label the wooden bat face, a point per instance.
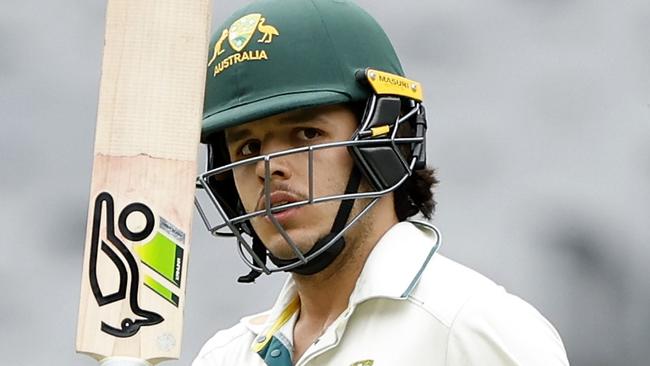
(142, 190)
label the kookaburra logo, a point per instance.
(118, 253)
(163, 254)
(239, 35)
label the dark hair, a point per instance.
(415, 195)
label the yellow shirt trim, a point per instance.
(284, 317)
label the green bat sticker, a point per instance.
(165, 257)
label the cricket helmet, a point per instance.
(274, 56)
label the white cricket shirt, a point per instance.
(409, 307)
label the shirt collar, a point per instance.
(395, 265)
(392, 270)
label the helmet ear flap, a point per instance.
(419, 149)
(379, 163)
(385, 163)
(387, 111)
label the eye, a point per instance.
(308, 133)
(249, 148)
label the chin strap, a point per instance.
(260, 250)
(325, 258)
(329, 255)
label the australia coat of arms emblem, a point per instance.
(242, 30)
(239, 35)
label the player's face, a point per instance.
(289, 174)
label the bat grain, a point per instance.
(143, 179)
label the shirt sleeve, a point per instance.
(199, 361)
(497, 328)
(226, 347)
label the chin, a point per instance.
(281, 249)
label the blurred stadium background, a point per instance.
(539, 128)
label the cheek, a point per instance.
(332, 170)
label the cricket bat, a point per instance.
(143, 181)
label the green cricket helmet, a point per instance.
(273, 56)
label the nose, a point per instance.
(279, 167)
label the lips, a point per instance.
(278, 198)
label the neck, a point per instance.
(325, 295)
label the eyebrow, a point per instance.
(297, 117)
